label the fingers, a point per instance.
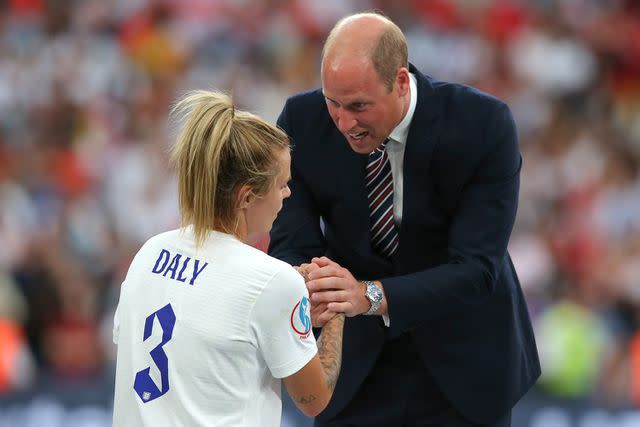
(332, 270)
(316, 311)
(327, 268)
(342, 307)
(318, 308)
(308, 266)
(323, 261)
(325, 283)
(337, 301)
(319, 315)
(325, 317)
(329, 296)
(305, 268)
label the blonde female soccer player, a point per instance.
(207, 326)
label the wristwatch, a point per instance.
(374, 295)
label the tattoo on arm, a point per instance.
(330, 349)
(304, 400)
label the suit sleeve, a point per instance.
(478, 236)
(296, 236)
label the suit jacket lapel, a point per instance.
(422, 137)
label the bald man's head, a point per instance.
(369, 38)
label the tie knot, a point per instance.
(380, 149)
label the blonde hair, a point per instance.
(218, 150)
(387, 54)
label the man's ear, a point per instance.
(403, 79)
(244, 197)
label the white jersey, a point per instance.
(205, 336)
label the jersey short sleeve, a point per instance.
(281, 324)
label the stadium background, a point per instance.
(85, 88)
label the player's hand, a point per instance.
(335, 286)
(304, 270)
(319, 312)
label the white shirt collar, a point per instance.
(400, 133)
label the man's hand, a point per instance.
(336, 287)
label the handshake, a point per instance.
(333, 289)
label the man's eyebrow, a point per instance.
(350, 104)
(357, 103)
(329, 98)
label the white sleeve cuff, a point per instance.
(386, 320)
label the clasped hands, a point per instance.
(332, 290)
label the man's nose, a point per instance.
(345, 121)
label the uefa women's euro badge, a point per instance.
(301, 318)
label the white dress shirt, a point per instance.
(395, 151)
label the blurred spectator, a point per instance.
(572, 340)
(17, 367)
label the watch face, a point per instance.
(374, 293)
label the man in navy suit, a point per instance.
(438, 332)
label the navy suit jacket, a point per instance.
(451, 284)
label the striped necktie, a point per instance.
(379, 184)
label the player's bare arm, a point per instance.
(330, 349)
(311, 387)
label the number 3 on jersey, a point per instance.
(144, 385)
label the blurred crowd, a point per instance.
(86, 86)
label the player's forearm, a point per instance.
(330, 349)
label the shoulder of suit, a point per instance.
(307, 97)
(464, 94)
(307, 111)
